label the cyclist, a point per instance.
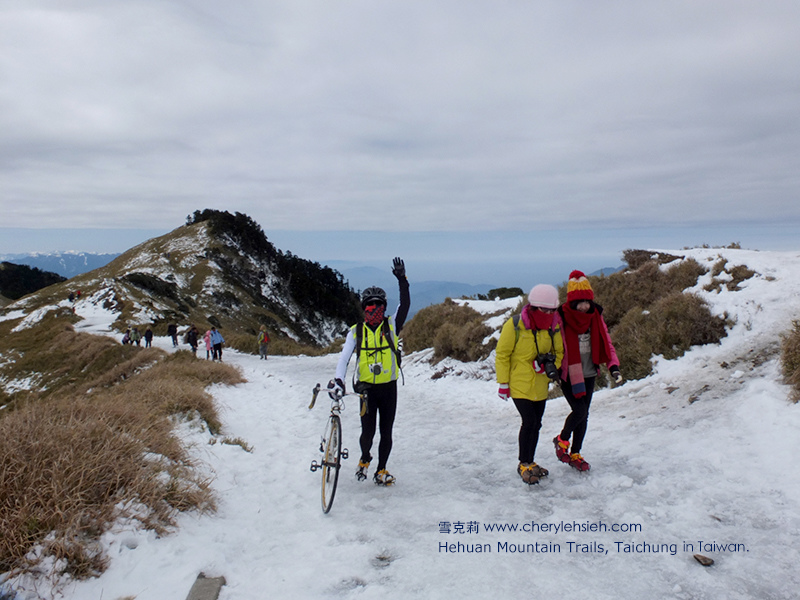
(374, 342)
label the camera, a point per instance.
(375, 369)
(548, 363)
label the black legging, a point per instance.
(531, 413)
(576, 421)
(381, 398)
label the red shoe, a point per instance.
(562, 449)
(576, 462)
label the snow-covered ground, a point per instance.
(697, 458)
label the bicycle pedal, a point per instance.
(315, 466)
(345, 453)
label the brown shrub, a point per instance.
(636, 258)
(790, 359)
(642, 287)
(449, 328)
(738, 274)
(669, 328)
(462, 341)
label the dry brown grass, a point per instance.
(642, 287)
(100, 437)
(670, 327)
(790, 359)
(449, 328)
(736, 275)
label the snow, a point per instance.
(702, 451)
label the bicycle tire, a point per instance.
(331, 462)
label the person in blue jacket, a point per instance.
(217, 342)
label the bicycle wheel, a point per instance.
(331, 462)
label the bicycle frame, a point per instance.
(331, 447)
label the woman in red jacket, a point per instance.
(587, 345)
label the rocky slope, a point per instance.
(218, 269)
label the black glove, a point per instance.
(398, 268)
(615, 374)
(336, 388)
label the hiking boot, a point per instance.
(383, 477)
(361, 472)
(539, 471)
(562, 448)
(526, 472)
(576, 462)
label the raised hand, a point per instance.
(398, 268)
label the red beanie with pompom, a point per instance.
(578, 287)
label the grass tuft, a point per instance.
(790, 359)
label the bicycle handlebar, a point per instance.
(336, 394)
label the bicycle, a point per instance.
(331, 444)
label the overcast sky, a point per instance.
(415, 116)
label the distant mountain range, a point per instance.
(423, 293)
(66, 264)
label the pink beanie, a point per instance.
(543, 296)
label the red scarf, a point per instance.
(536, 319)
(373, 315)
(575, 323)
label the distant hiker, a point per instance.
(71, 297)
(191, 338)
(528, 355)
(78, 294)
(263, 342)
(587, 345)
(207, 340)
(148, 337)
(172, 331)
(126, 339)
(374, 342)
(135, 336)
(216, 343)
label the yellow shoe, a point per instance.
(361, 472)
(383, 477)
(525, 471)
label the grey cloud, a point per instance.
(467, 115)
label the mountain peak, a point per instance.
(218, 269)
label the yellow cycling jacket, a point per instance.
(515, 355)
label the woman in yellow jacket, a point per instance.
(528, 357)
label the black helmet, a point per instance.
(373, 294)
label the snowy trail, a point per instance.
(703, 450)
(455, 459)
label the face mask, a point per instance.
(373, 314)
